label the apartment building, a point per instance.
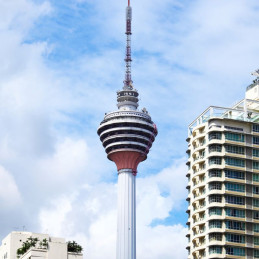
(46, 247)
(223, 180)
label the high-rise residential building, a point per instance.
(40, 246)
(223, 180)
(127, 135)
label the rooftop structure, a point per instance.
(127, 135)
(223, 180)
(46, 247)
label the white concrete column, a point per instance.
(126, 225)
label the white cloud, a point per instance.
(89, 215)
(10, 196)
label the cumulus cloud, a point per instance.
(184, 59)
(94, 209)
(9, 193)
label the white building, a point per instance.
(223, 180)
(56, 248)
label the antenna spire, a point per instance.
(128, 60)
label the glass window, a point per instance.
(215, 186)
(215, 148)
(256, 241)
(235, 161)
(256, 127)
(235, 238)
(256, 177)
(255, 165)
(237, 225)
(215, 160)
(215, 224)
(256, 214)
(235, 137)
(256, 227)
(215, 237)
(256, 140)
(234, 174)
(256, 189)
(235, 251)
(255, 202)
(236, 187)
(215, 250)
(215, 198)
(235, 200)
(215, 211)
(215, 173)
(256, 152)
(256, 253)
(235, 213)
(235, 149)
(214, 135)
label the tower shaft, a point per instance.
(126, 223)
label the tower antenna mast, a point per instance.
(128, 60)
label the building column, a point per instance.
(126, 225)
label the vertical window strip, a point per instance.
(235, 149)
(234, 174)
(235, 187)
(235, 137)
(235, 213)
(235, 162)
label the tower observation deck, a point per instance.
(127, 135)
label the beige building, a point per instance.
(46, 248)
(223, 180)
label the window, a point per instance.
(233, 128)
(256, 214)
(256, 227)
(256, 140)
(255, 202)
(214, 135)
(215, 250)
(235, 187)
(235, 238)
(235, 213)
(235, 200)
(215, 186)
(215, 237)
(234, 174)
(235, 161)
(256, 152)
(215, 211)
(255, 165)
(215, 173)
(230, 224)
(256, 253)
(215, 160)
(235, 149)
(256, 177)
(215, 148)
(256, 189)
(215, 198)
(256, 127)
(235, 251)
(215, 224)
(235, 137)
(256, 241)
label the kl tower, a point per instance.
(127, 135)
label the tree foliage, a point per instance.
(74, 247)
(30, 243)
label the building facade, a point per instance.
(47, 247)
(223, 180)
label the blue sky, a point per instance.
(62, 63)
